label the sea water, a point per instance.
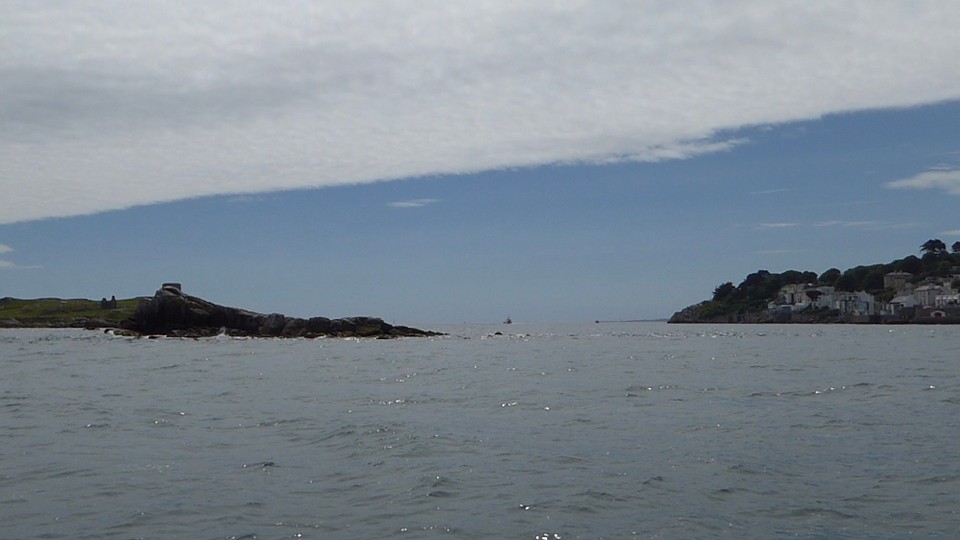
(640, 430)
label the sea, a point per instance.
(541, 432)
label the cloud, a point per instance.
(776, 225)
(415, 203)
(9, 265)
(107, 105)
(838, 223)
(770, 191)
(954, 233)
(939, 178)
(777, 251)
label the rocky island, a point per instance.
(171, 312)
(912, 290)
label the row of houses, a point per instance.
(931, 295)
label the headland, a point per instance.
(171, 312)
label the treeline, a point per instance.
(760, 288)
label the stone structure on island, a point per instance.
(171, 312)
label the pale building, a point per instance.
(856, 303)
(927, 295)
(896, 280)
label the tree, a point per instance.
(723, 291)
(754, 279)
(829, 277)
(956, 247)
(847, 282)
(934, 245)
(910, 263)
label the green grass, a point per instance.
(53, 310)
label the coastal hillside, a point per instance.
(65, 313)
(914, 289)
(171, 312)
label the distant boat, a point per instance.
(508, 321)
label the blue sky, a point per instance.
(463, 164)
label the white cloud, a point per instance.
(954, 233)
(776, 251)
(940, 178)
(106, 105)
(838, 223)
(770, 191)
(415, 203)
(10, 265)
(775, 225)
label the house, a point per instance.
(856, 303)
(822, 297)
(804, 295)
(949, 299)
(900, 303)
(794, 293)
(896, 280)
(926, 295)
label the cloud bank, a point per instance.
(945, 179)
(106, 104)
(413, 203)
(10, 265)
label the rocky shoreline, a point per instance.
(694, 315)
(170, 312)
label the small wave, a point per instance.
(651, 388)
(938, 479)
(282, 421)
(744, 469)
(817, 512)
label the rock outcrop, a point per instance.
(172, 313)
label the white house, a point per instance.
(944, 300)
(927, 294)
(900, 303)
(855, 303)
(803, 295)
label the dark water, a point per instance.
(594, 431)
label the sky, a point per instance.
(454, 162)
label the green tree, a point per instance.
(956, 247)
(754, 279)
(848, 281)
(934, 245)
(910, 263)
(830, 277)
(930, 261)
(722, 291)
(873, 280)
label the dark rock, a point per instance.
(319, 326)
(171, 312)
(10, 323)
(273, 325)
(294, 327)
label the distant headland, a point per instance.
(911, 290)
(171, 312)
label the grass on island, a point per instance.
(54, 310)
